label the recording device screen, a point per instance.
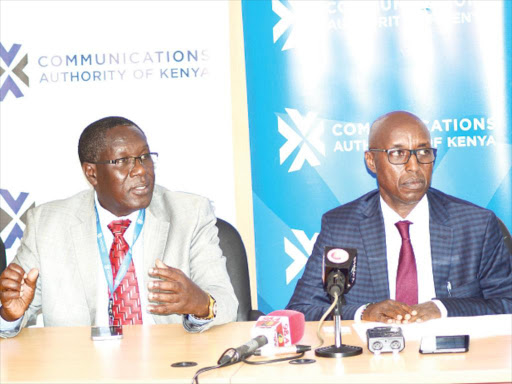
(444, 344)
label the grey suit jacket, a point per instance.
(60, 241)
(467, 248)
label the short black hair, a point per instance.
(92, 140)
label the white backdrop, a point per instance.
(186, 119)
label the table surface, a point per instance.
(145, 354)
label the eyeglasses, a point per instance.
(398, 156)
(147, 160)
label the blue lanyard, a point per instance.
(105, 259)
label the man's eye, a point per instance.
(397, 153)
(145, 156)
(122, 160)
(424, 152)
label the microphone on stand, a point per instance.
(339, 275)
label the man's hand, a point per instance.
(174, 293)
(389, 311)
(425, 311)
(17, 290)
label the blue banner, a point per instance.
(318, 74)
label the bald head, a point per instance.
(385, 124)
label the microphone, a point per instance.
(339, 270)
(243, 351)
(339, 275)
(281, 328)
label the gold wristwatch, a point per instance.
(212, 309)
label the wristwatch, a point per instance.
(212, 309)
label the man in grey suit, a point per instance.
(170, 262)
(453, 261)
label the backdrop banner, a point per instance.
(163, 64)
(318, 74)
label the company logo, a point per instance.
(337, 255)
(285, 22)
(307, 134)
(13, 216)
(299, 257)
(8, 83)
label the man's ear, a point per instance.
(90, 173)
(370, 161)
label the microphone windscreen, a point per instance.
(297, 323)
(282, 328)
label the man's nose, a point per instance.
(138, 167)
(413, 163)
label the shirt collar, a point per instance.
(418, 213)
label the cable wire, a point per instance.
(261, 362)
(321, 322)
(195, 379)
(234, 360)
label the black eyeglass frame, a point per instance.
(127, 158)
(411, 151)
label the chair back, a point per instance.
(236, 262)
(3, 256)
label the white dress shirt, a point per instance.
(419, 233)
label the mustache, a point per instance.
(414, 180)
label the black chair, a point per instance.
(3, 256)
(236, 262)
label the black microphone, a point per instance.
(339, 275)
(339, 270)
(243, 351)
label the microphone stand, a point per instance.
(338, 349)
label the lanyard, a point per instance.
(105, 259)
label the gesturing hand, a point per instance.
(173, 292)
(389, 311)
(17, 290)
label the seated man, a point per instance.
(454, 263)
(127, 252)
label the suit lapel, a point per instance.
(156, 232)
(441, 236)
(374, 240)
(86, 251)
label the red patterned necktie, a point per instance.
(126, 307)
(406, 277)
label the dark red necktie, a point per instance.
(406, 277)
(126, 307)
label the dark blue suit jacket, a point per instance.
(467, 250)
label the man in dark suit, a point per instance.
(453, 261)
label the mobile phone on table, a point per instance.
(444, 344)
(112, 332)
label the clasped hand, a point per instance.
(395, 312)
(174, 293)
